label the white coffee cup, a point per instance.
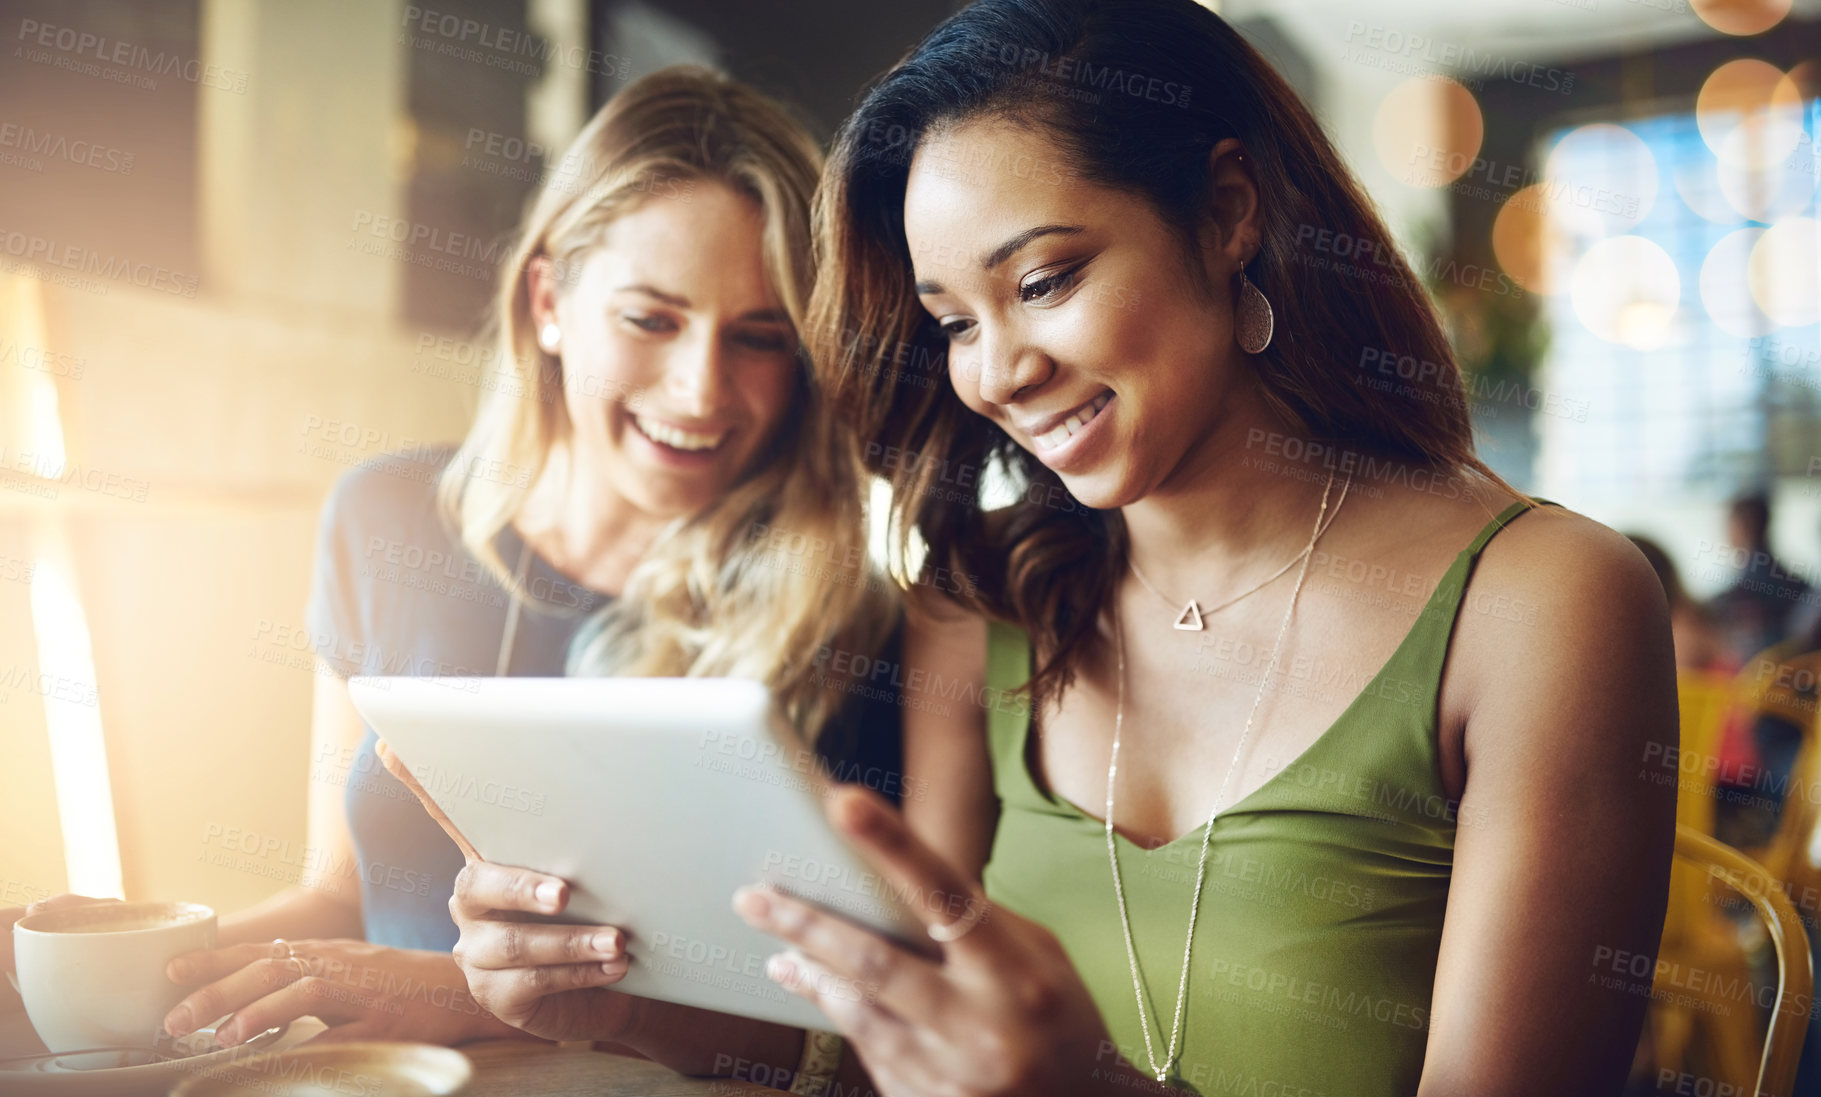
(94, 975)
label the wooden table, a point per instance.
(510, 1068)
(502, 1068)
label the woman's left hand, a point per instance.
(1002, 1010)
(362, 991)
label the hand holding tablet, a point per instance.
(547, 983)
(636, 807)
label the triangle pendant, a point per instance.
(1190, 618)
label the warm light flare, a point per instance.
(1785, 272)
(1626, 291)
(1750, 113)
(72, 714)
(1741, 17)
(1428, 131)
(1529, 245)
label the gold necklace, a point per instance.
(1201, 865)
(1189, 619)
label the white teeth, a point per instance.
(674, 438)
(1067, 428)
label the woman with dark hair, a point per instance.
(1292, 808)
(1381, 838)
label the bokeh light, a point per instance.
(1741, 17)
(1428, 131)
(1724, 292)
(1771, 193)
(1698, 184)
(1600, 180)
(1531, 246)
(1750, 113)
(1785, 271)
(1626, 290)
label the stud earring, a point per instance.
(1254, 322)
(550, 337)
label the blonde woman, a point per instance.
(647, 452)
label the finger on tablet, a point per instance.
(396, 767)
(858, 963)
(481, 887)
(512, 995)
(862, 1020)
(505, 945)
(947, 904)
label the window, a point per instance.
(1679, 270)
(1687, 297)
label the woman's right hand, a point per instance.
(548, 980)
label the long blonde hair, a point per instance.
(765, 581)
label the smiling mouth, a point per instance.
(1070, 426)
(688, 441)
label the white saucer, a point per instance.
(27, 1068)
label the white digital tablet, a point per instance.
(655, 798)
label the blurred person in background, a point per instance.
(1704, 661)
(1699, 643)
(649, 418)
(1763, 604)
(1781, 693)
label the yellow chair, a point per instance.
(1695, 934)
(1794, 853)
(1711, 949)
(1704, 699)
(1782, 682)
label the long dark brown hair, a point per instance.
(1136, 94)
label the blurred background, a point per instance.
(246, 245)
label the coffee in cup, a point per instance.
(94, 975)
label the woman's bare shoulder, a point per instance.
(1561, 605)
(1538, 547)
(1557, 555)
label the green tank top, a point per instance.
(1321, 911)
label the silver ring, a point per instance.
(290, 956)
